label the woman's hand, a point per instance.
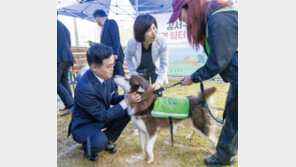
(156, 85)
(186, 81)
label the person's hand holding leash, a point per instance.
(156, 85)
(186, 81)
(132, 98)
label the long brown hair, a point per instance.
(197, 19)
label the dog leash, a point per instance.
(203, 98)
(157, 91)
(205, 103)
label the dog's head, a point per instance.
(133, 83)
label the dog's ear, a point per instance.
(141, 89)
(134, 83)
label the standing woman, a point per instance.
(149, 52)
(214, 24)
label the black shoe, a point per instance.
(111, 148)
(92, 157)
(214, 161)
(69, 111)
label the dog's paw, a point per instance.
(142, 156)
(150, 157)
(150, 160)
(136, 158)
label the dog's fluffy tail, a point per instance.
(208, 94)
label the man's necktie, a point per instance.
(104, 87)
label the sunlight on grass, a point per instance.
(186, 152)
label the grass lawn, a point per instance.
(186, 152)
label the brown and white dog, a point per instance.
(148, 126)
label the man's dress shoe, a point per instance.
(111, 148)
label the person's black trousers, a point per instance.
(98, 142)
(228, 142)
(63, 87)
(118, 70)
(150, 76)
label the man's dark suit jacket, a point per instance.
(92, 106)
(63, 44)
(110, 37)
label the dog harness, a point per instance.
(176, 107)
(171, 108)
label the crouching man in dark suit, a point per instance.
(94, 93)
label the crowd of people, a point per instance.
(97, 125)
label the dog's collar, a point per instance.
(140, 116)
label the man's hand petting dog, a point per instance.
(155, 85)
(186, 81)
(132, 98)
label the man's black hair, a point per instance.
(141, 25)
(97, 53)
(100, 13)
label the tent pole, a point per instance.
(137, 8)
(76, 32)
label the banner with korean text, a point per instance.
(183, 59)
